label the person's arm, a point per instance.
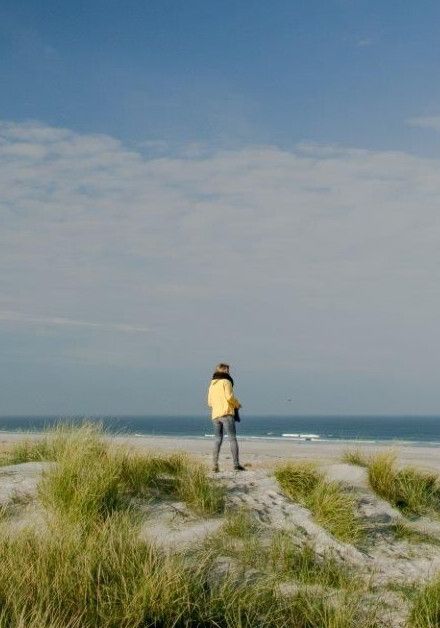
(209, 397)
(229, 394)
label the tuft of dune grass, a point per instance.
(404, 531)
(412, 491)
(301, 563)
(240, 524)
(26, 451)
(5, 450)
(198, 491)
(92, 479)
(425, 611)
(59, 438)
(335, 510)
(298, 479)
(382, 475)
(83, 486)
(355, 456)
(331, 506)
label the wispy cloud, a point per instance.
(364, 42)
(425, 122)
(18, 317)
(319, 254)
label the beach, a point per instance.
(267, 453)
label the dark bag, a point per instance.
(237, 415)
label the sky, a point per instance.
(183, 183)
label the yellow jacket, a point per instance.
(221, 398)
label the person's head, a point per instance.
(222, 368)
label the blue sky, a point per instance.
(344, 71)
(188, 182)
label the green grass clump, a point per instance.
(425, 612)
(382, 474)
(85, 482)
(335, 510)
(93, 479)
(27, 451)
(83, 486)
(146, 475)
(412, 491)
(298, 479)
(334, 611)
(199, 492)
(301, 563)
(356, 457)
(61, 437)
(403, 531)
(331, 506)
(240, 524)
(175, 476)
(70, 578)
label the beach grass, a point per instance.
(356, 457)
(412, 491)
(324, 591)
(403, 531)
(279, 554)
(198, 491)
(88, 566)
(53, 442)
(5, 449)
(93, 477)
(25, 451)
(425, 612)
(108, 578)
(331, 506)
(290, 560)
(240, 523)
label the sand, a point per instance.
(267, 453)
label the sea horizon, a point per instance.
(406, 429)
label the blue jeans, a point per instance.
(220, 424)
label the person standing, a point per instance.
(224, 406)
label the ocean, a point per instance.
(422, 430)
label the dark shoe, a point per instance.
(239, 468)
